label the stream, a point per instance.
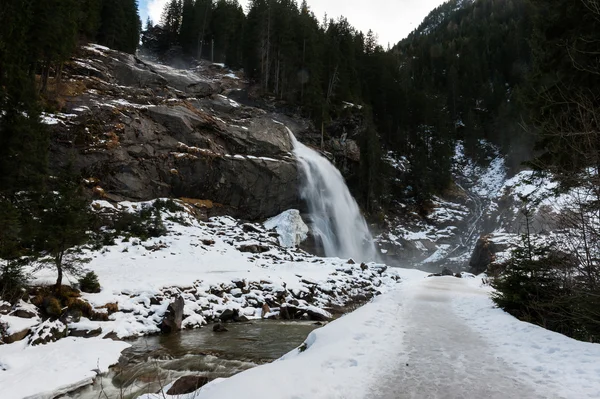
(155, 361)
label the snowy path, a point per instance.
(443, 357)
(430, 338)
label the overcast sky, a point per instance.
(392, 20)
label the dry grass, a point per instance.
(198, 203)
(56, 95)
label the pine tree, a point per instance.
(202, 17)
(64, 218)
(187, 34)
(120, 25)
(171, 20)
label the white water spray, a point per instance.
(335, 217)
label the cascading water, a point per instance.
(335, 217)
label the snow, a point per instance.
(486, 182)
(54, 119)
(338, 360)
(429, 337)
(291, 228)
(18, 324)
(45, 371)
(200, 261)
(566, 367)
(196, 259)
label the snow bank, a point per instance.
(340, 360)
(45, 371)
(562, 365)
(429, 337)
(18, 324)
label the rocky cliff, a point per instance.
(140, 130)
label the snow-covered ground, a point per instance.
(220, 267)
(46, 371)
(428, 338)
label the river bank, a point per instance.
(222, 270)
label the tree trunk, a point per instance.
(59, 278)
(59, 267)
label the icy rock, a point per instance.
(291, 228)
(174, 316)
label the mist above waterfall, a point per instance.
(335, 217)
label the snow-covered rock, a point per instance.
(291, 228)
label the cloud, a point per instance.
(154, 9)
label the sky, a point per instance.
(391, 20)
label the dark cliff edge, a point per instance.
(139, 130)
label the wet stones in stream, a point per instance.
(188, 384)
(174, 316)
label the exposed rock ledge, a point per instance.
(140, 130)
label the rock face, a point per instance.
(173, 316)
(483, 255)
(140, 130)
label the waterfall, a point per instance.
(335, 217)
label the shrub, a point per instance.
(13, 282)
(538, 285)
(84, 307)
(51, 307)
(89, 283)
(168, 205)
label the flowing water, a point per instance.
(154, 361)
(335, 217)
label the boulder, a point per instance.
(127, 72)
(483, 255)
(5, 307)
(318, 314)
(71, 316)
(178, 120)
(14, 337)
(48, 331)
(85, 333)
(24, 313)
(262, 138)
(288, 312)
(265, 310)
(173, 316)
(253, 248)
(290, 228)
(219, 328)
(187, 384)
(228, 315)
